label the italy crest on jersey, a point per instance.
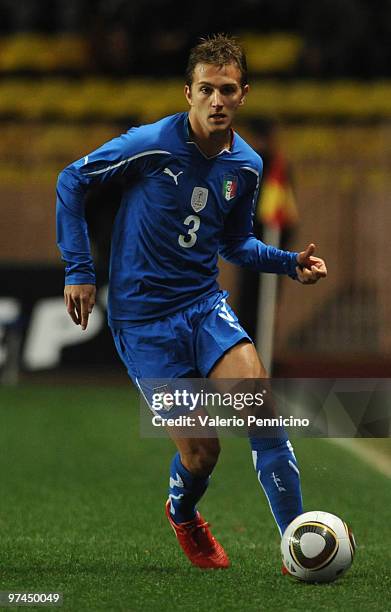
(230, 187)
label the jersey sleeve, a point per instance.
(125, 156)
(239, 245)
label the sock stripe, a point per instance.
(185, 490)
(268, 501)
(279, 477)
(294, 467)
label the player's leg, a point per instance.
(274, 460)
(193, 463)
(190, 471)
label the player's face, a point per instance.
(214, 97)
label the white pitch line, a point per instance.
(376, 459)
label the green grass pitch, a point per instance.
(82, 512)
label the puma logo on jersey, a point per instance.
(173, 176)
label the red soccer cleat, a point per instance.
(197, 542)
(284, 570)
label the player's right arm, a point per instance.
(124, 156)
(74, 245)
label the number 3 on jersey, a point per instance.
(190, 238)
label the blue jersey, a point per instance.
(179, 210)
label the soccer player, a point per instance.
(190, 184)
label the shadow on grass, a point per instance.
(100, 567)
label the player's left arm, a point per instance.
(310, 269)
(239, 245)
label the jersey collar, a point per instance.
(190, 141)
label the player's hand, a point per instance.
(79, 301)
(310, 268)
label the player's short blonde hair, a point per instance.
(217, 50)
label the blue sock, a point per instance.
(184, 492)
(278, 474)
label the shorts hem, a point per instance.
(243, 338)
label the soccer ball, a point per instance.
(317, 547)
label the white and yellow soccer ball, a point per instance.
(317, 547)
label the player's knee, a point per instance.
(203, 457)
(256, 369)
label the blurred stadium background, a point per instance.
(75, 73)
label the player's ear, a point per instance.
(245, 90)
(187, 92)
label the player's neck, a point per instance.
(210, 144)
